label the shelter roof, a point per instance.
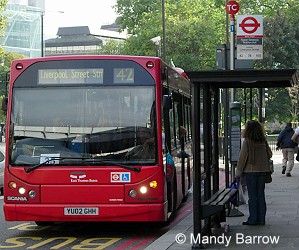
(246, 78)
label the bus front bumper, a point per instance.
(88, 212)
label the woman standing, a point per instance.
(253, 165)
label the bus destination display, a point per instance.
(81, 76)
(123, 75)
(67, 76)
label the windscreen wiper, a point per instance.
(28, 170)
(93, 160)
(137, 170)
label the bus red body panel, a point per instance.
(116, 213)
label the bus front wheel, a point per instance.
(43, 223)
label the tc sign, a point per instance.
(232, 7)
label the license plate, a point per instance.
(81, 211)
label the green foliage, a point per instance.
(281, 51)
(132, 12)
(2, 22)
(112, 48)
(7, 58)
(195, 28)
(189, 43)
(278, 107)
(281, 45)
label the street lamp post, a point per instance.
(42, 29)
(41, 13)
(42, 33)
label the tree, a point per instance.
(2, 63)
(195, 28)
(131, 13)
(281, 51)
(7, 58)
(2, 22)
(281, 36)
(112, 48)
(189, 43)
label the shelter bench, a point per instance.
(217, 202)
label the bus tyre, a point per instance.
(164, 223)
(175, 195)
(185, 198)
(172, 194)
(43, 223)
(189, 181)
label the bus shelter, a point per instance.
(209, 90)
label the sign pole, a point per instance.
(232, 50)
(232, 42)
(232, 8)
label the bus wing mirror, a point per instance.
(4, 104)
(167, 102)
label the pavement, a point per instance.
(280, 231)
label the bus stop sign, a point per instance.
(232, 7)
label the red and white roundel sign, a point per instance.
(250, 25)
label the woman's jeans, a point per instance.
(255, 182)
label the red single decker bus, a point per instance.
(96, 138)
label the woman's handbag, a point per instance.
(271, 166)
(234, 200)
(269, 174)
(242, 199)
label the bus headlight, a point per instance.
(22, 190)
(143, 190)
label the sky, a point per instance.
(91, 13)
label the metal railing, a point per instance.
(272, 140)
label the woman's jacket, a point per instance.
(254, 157)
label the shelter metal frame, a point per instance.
(210, 83)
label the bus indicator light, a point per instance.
(12, 185)
(153, 184)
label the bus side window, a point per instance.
(174, 124)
